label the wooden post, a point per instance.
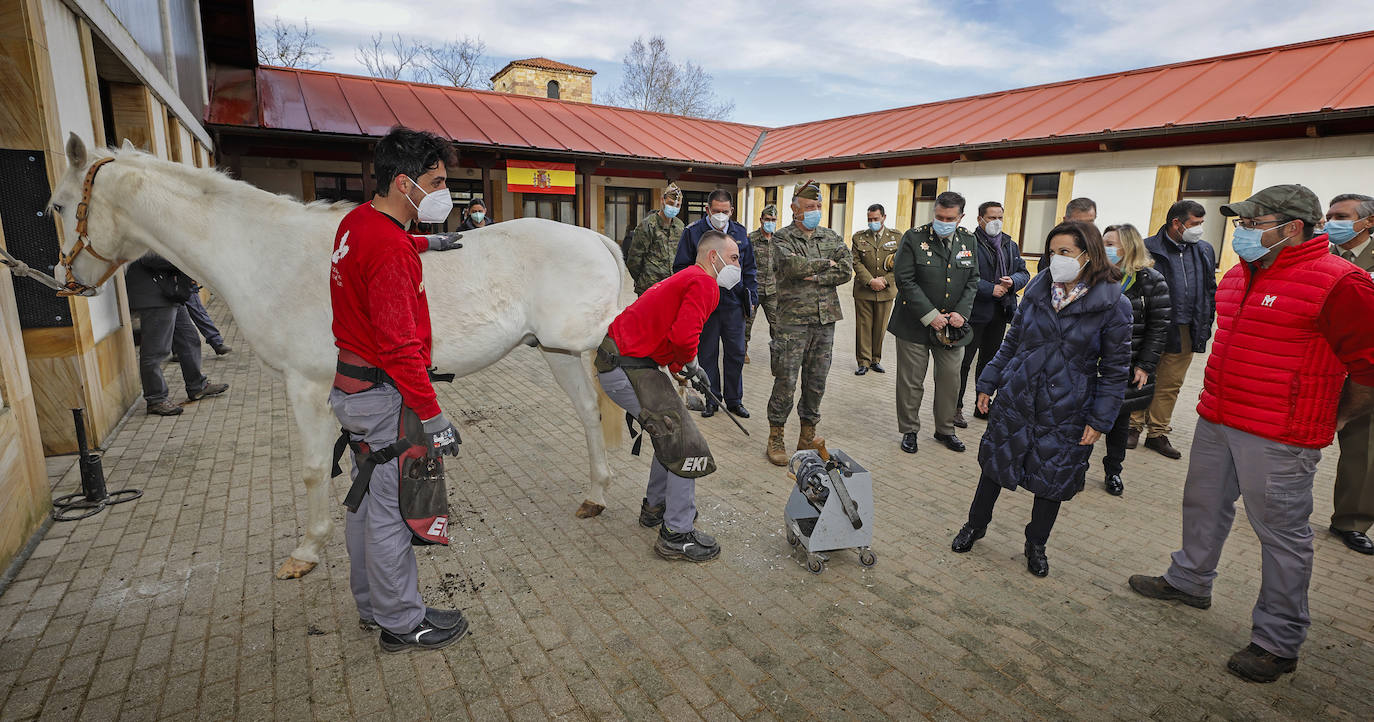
(1065, 192)
(906, 193)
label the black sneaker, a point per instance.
(694, 546)
(222, 349)
(650, 516)
(441, 618)
(427, 635)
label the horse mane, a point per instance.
(217, 182)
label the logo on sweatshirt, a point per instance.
(1268, 301)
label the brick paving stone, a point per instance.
(166, 608)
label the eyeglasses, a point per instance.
(1253, 224)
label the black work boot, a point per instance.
(426, 635)
(1113, 484)
(441, 618)
(1257, 664)
(1158, 588)
(694, 545)
(650, 516)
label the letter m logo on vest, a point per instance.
(1268, 301)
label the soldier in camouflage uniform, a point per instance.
(874, 288)
(762, 238)
(808, 262)
(649, 257)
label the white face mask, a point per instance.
(719, 221)
(1192, 235)
(994, 228)
(728, 277)
(434, 207)
(1064, 268)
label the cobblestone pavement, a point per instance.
(166, 608)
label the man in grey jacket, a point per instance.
(158, 292)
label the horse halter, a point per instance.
(73, 287)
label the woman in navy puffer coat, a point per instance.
(1059, 379)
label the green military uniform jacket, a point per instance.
(934, 277)
(763, 261)
(649, 257)
(871, 251)
(795, 258)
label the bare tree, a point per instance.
(289, 46)
(652, 81)
(396, 59)
(461, 63)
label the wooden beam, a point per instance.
(1242, 186)
(1167, 179)
(92, 83)
(1065, 193)
(1013, 205)
(129, 108)
(1109, 146)
(969, 156)
(906, 192)
(848, 211)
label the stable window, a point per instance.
(552, 207)
(1040, 211)
(625, 207)
(770, 197)
(693, 206)
(839, 201)
(553, 89)
(338, 187)
(1209, 185)
(923, 201)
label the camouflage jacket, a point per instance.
(649, 256)
(871, 252)
(763, 260)
(796, 258)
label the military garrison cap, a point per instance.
(1292, 201)
(808, 189)
(769, 210)
(673, 193)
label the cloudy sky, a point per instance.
(799, 60)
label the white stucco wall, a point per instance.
(976, 189)
(1327, 177)
(1123, 195)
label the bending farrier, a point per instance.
(383, 394)
(663, 328)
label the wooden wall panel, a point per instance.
(1242, 187)
(129, 105)
(1167, 179)
(906, 193)
(849, 213)
(1065, 193)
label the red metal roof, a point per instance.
(1321, 76)
(316, 102)
(1293, 83)
(545, 64)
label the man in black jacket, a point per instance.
(1189, 267)
(158, 292)
(1001, 275)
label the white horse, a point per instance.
(527, 281)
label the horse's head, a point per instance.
(92, 248)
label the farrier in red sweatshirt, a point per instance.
(664, 324)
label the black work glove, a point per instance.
(444, 241)
(442, 436)
(693, 373)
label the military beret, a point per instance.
(769, 210)
(809, 189)
(672, 192)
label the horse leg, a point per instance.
(571, 373)
(317, 428)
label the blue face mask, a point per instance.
(1247, 244)
(1341, 232)
(1113, 254)
(811, 219)
(875, 226)
(944, 229)
(670, 212)
(770, 226)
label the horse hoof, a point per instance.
(589, 509)
(294, 568)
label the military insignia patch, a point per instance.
(965, 253)
(925, 246)
(890, 245)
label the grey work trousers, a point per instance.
(163, 330)
(912, 361)
(676, 493)
(383, 574)
(1276, 482)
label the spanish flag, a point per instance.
(530, 176)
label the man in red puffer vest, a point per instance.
(1292, 325)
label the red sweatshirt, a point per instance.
(377, 291)
(665, 322)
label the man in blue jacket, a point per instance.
(725, 326)
(1189, 266)
(1001, 275)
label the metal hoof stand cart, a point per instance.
(830, 509)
